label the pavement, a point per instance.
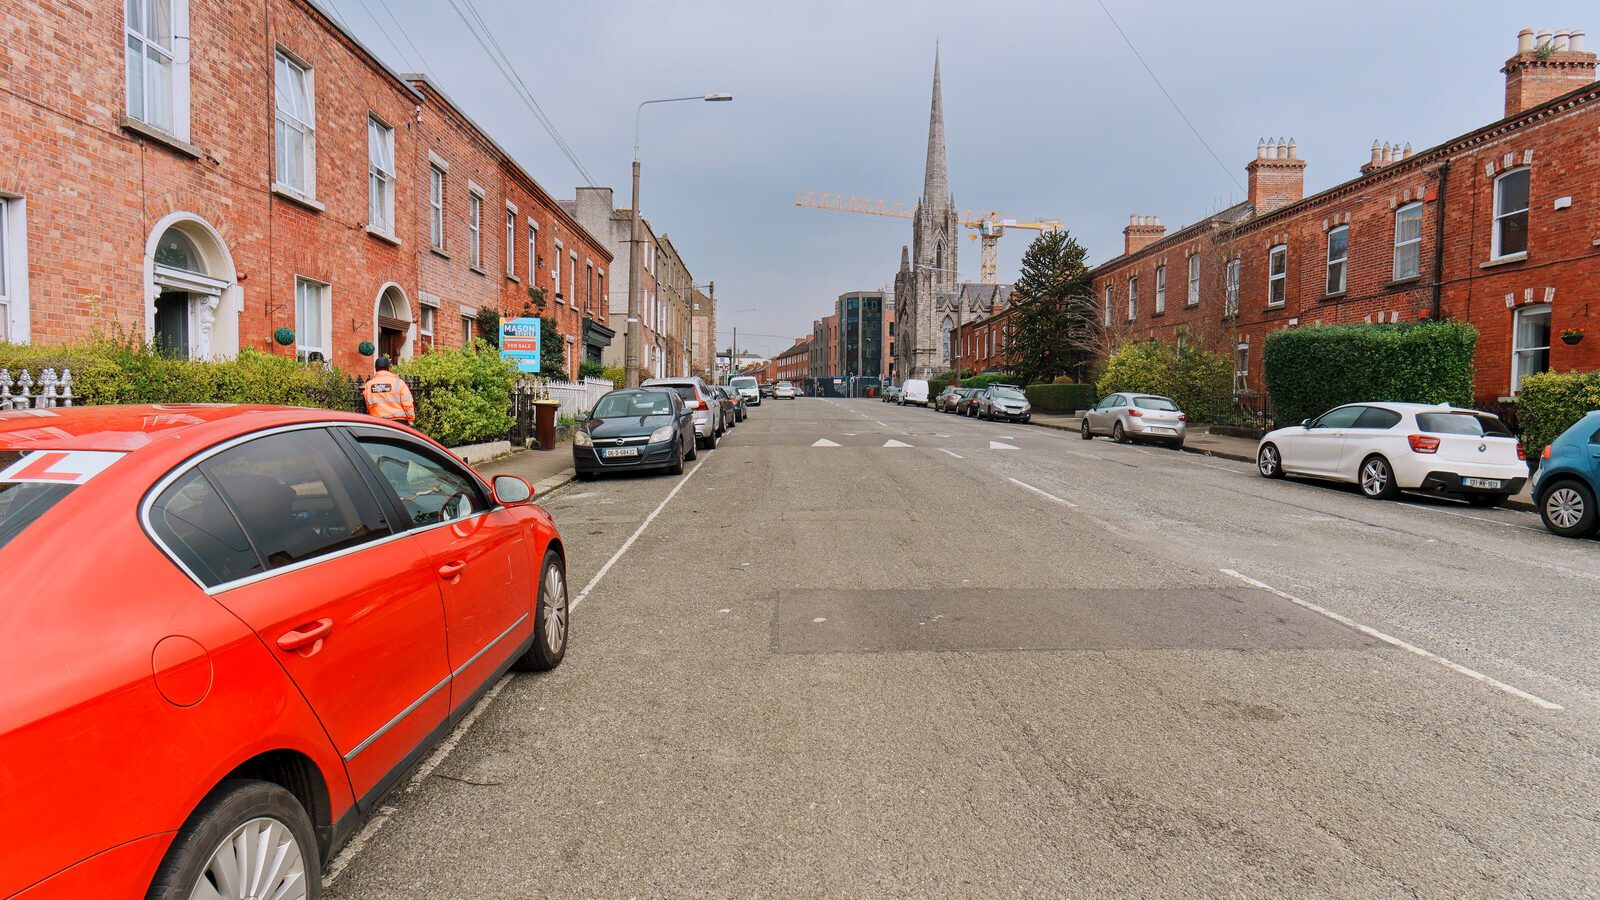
(861, 650)
(546, 470)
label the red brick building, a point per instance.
(984, 343)
(1498, 227)
(793, 364)
(205, 175)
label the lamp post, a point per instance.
(634, 337)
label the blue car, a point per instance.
(1568, 478)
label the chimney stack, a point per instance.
(1546, 66)
(1142, 231)
(1277, 175)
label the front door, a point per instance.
(350, 607)
(172, 324)
(477, 550)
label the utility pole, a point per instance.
(733, 353)
(635, 276)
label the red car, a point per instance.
(228, 631)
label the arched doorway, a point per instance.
(192, 302)
(392, 324)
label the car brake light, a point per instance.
(1545, 454)
(698, 404)
(1521, 452)
(1183, 417)
(1136, 414)
(1421, 443)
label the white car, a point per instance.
(915, 390)
(748, 388)
(709, 421)
(784, 391)
(1387, 448)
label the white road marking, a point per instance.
(880, 423)
(1462, 515)
(1024, 484)
(997, 445)
(1396, 642)
(583, 594)
(824, 442)
(952, 453)
(894, 443)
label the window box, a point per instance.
(164, 138)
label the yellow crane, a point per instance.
(989, 226)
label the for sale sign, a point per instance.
(519, 343)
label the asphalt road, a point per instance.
(1001, 660)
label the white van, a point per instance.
(915, 390)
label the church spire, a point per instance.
(936, 181)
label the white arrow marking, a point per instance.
(824, 442)
(996, 445)
(894, 443)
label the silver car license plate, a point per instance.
(1481, 482)
(612, 452)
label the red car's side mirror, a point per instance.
(510, 490)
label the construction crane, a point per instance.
(989, 227)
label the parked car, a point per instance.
(784, 391)
(913, 391)
(967, 405)
(747, 386)
(1386, 448)
(709, 421)
(732, 404)
(768, 389)
(1568, 479)
(271, 634)
(1003, 402)
(891, 394)
(946, 401)
(633, 429)
(1128, 416)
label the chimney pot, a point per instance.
(1544, 38)
(1408, 151)
(1525, 40)
(1561, 40)
(1533, 78)
(1261, 148)
(1576, 44)
(1293, 153)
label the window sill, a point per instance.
(1401, 282)
(382, 235)
(1336, 295)
(1191, 303)
(1277, 306)
(479, 270)
(160, 136)
(436, 251)
(1158, 314)
(511, 277)
(1504, 260)
(295, 197)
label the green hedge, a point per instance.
(938, 383)
(106, 372)
(1548, 404)
(1310, 370)
(464, 394)
(1062, 398)
(1200, 382)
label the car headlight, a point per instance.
(582, 439)
(662, 434)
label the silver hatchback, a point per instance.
(1128, 416)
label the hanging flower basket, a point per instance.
(365, 348)
(1571, 337)
(284, 336)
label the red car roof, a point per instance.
(129, 428)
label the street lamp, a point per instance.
(634, 337)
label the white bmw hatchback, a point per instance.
(1386, 448)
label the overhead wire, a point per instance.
(385, 32)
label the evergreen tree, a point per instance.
(1053, 319)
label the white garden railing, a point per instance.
(574, 396)
(48, 391)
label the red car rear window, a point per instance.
(22, 502)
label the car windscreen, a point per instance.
(1008, 393)
(23, 502)
(1160, 403)
(643, 403)
(1462, 423)
(743, 382)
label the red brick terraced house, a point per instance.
(1498, 227)
(984, 343)
(793, 364)
(207, 175)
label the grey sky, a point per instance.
(1047, 113)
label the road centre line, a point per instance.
(952, 453)
(583, 594)
(1396, 642)
(1047, 494)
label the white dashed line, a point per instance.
(1047, 494)
(1396, 642)
(583, 594)
(952, 453)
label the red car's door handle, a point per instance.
(451, 569)
(305, 635)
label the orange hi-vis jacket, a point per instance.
(389, 397)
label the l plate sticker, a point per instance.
(59, 466)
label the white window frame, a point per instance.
(555, 273)
(1241, 368)
(572, 278)
(176, 59)
(1194, 280)
(436, 189)
(1133, 297)
(1161, 289)
(1501, 215)
(1111, 298)
(1230, 288)
(1518, 351)
(475, 226)
(1411, 246)
(1278, 281)
(14, 316)
(286, 120)
(533, 252)
(427, 320)
(1343, 263)
(380, 180)
(511, 240)
(324, 316)
(469, 324)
